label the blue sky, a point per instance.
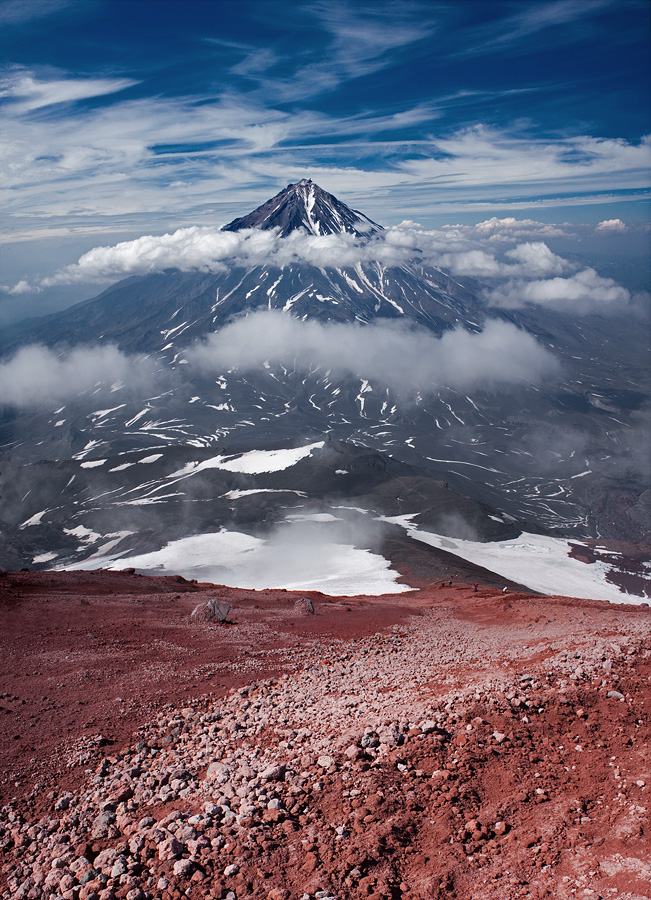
(123, 118)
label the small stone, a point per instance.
(499, 737)
(231, 870)
(169, 849)
(119, 867)
(325, 762)
(101, 824)
(183, 868)
(615, 695)
(215, 770)
(277, 893)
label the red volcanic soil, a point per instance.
(435, 744)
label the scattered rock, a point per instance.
(304, 607)
(212, 611)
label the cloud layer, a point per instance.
(528, 273)
(582, 293)
(207, 250)
(36, 376)
(404, 360)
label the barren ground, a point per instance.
(435, 744)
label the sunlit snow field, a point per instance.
(241, 560)
(314, 550)
(537, 561)
(302, 561)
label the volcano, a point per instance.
(306, 205)
(120, 472)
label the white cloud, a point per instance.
(529, 19)
(28, 93)
(509, 229)
(475, 263)
(529, 273)
(66, 162)
(36, 376)
(384, 353)
(582, 293)
(611, 225)
(359, 39)
(21, 287)
(481, 157)
(19, 12)
(536, 259)
(207, 250)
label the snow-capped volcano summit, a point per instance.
(306, 205)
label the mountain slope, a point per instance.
(559, 455)
(306, 205)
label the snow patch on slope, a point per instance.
(540, 562)
(241, 560)
(254, 462)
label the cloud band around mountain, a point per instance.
(402, 359)
(406, 361)
(528, 273)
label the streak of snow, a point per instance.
(236, 494)
(136, 417)
(83, 533)
(35, 519)
(45, 557)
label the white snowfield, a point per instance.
(537, 561)
(302, 555)
(255, 462)
(241, 560)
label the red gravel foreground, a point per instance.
(441, 743)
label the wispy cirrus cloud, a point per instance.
(21, 12)
(281, 91)
(531, 19)
(353, 40)
(25, 92)
(481, 156)
(147, 155)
